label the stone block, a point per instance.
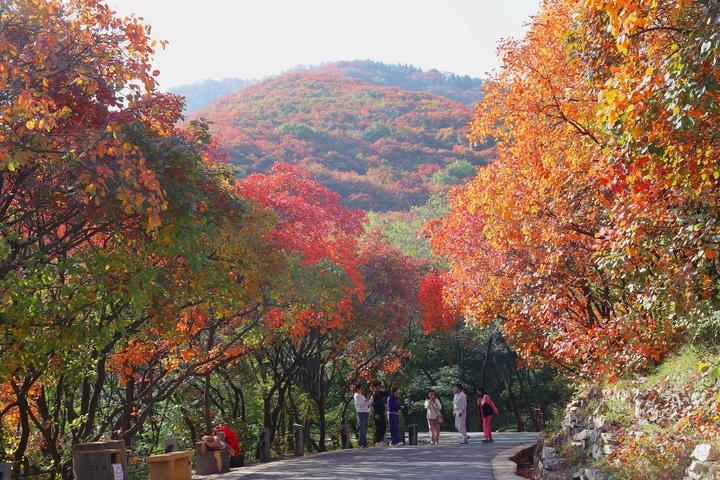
(548, 452)
(599, 422)
(639, 404)
(610, 438)
(554, 476)
(584, 435)
(591, 474)
(553, 464)
(608, 449)
(705, 452)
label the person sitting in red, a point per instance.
(230, 437)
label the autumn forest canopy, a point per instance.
(373, 133)
(345, 223)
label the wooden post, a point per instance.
(345, 436)
(264, 444)
(94, 465)
(171, 466)
(208, 462)
(171, 445)
(299, 440)
(99, 460)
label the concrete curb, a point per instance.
(502, 467)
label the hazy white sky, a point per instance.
(219, 39)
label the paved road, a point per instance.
(449, 460)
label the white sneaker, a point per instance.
(398, 444)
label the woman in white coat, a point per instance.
(434, 417)
(362, 408)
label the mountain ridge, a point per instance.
(461, 88)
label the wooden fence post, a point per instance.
(264, 445)
(100, 460)
(299, 440)
(171, 445)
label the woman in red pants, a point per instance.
(486, 409)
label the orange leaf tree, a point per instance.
(659, 100)
(103, 217)
(75, 102)
(592, 235)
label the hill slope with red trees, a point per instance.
(381, 148)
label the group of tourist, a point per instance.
(385, 408)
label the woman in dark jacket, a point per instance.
(393, 409)
(379, 397)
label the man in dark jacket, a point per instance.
(379, 397)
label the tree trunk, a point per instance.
(486, 360)
(127, 410)
(508, 382)
(206, 400)
(524, 395)
(22, 405)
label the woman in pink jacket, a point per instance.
(486, 409)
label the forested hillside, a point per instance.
(463, 89)
(380, 148)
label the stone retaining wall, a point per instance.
(592, 437)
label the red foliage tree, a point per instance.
(311, 219)
(437, 314)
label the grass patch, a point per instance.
(618, 412)
(676, 368)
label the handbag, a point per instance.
(437, 413)
(487, 410)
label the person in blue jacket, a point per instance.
(393, 410)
